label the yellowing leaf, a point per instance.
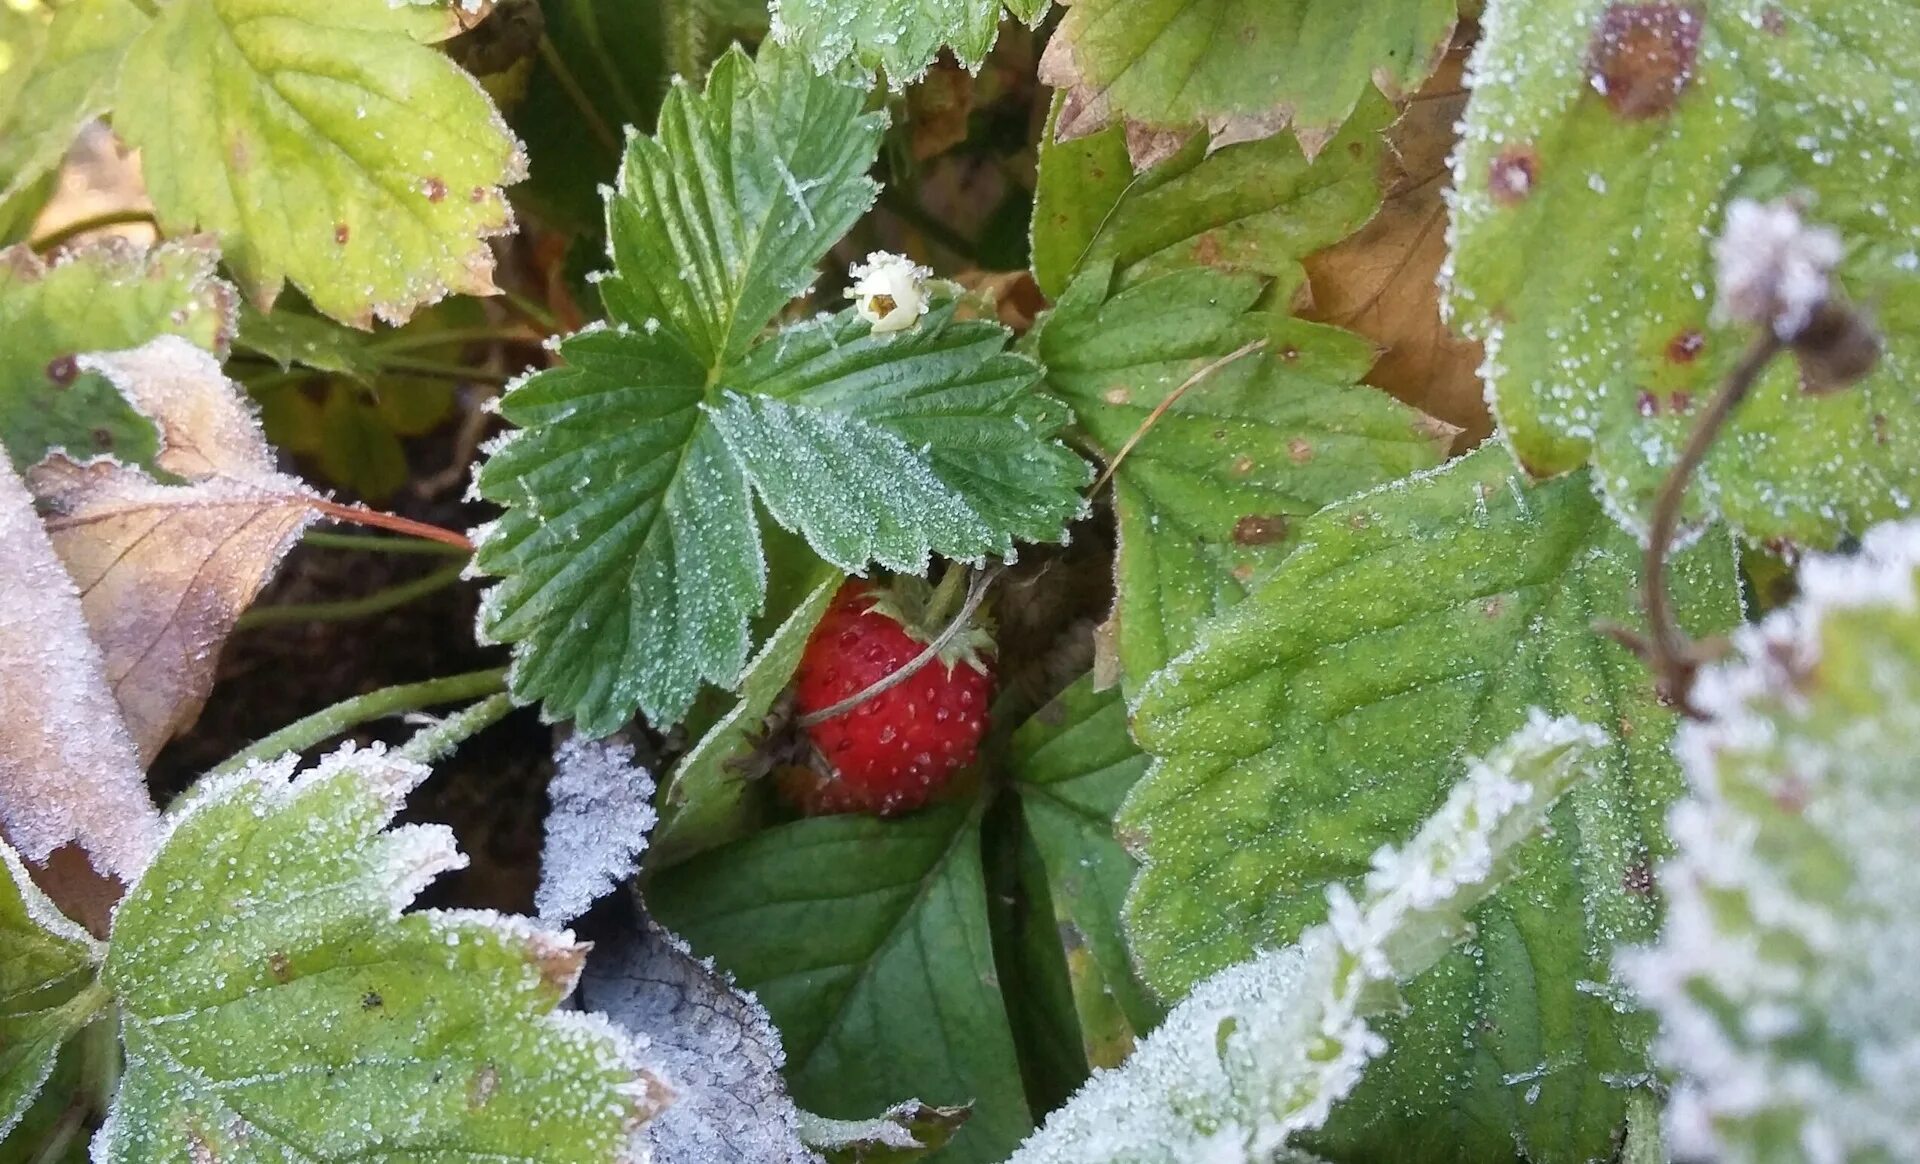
(68, 770)
(165, 569)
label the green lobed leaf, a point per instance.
(1257, 207)
(275, 1004)
(1628, 128)
(630, 553)
(46, 986)
(1251, 66)
(61, 61)
(1783, 974)
(1326, 716)
(327, 144)
(867, 941)
(1071, 765)
(901, 37)
(1209, 491)
(102, 297)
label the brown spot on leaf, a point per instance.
(1242, 465)
(478, 195)
(102, 440)
(280, 967)
(371, 1000)
(62, 370)
(1206, 250)
(1773, 20)
(1118, 394)
(1638, 878)
(1243, 573)
(1686, 347)
(1511, 176)
(341, 233)
(1680, 402)
(1299, 451)
(1879, 428)
(1642, 56)
(1493, 606)
(1626, 728)
(435, 190)
(481, 1088)
(1260, 529)
(1646, 403)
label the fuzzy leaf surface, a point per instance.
(1634, 126)
(102, 297)
(327, 145)
(48, 962)
(1326, 716)
(867, 941)
(276, 1004)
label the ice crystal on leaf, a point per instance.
(900, 36)
(602, 812)
(1263, 1050)
(1783, 975)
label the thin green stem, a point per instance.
(374, 543)
(75, 229)
(436, 743)
(570, 85)
(379, 602)
(532, 310)
(440, 369)
(413, 341)
(323, 725)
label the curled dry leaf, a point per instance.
(1383, 280)
(68, 770)
(164, 569)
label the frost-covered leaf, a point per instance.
(901, 37)
(165, 569)
(867, 941)
(1630, 127)
(276, 1004)
(68, 769)
(1245, 69)
(61, 61)
(1208, 494)
(1071, 765)
(1257, 207)
(1327, 714)
(330, 145)
(1263, 1050)
(704, 801)
(630, 552)
(1783, 976)
(46, 975)
(708, 1041)
(905, 1131)
(601, 811)
(103, 297)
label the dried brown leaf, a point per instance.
(1383, 281)
(165, 569)
(68, 769)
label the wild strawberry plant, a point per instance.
(980, 524)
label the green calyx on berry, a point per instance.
(925, 610)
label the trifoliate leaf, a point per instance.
(867, 941)
(336, 149)
(46, 986)
(275, 1003)
(61, 61)
(103, 297)
(1258, 207)
(1323, 718)
(69, 771)
(901, 37)
(1245, 69)
(165, 568)
(1630, 127)
(1209, 490)
(630, 551)
(1071, 765)
(1782, 976)
(1263, 1050)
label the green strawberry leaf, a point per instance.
(867, 941)
(1631, 126)
(289, 338)
(1209, 491)
(630, 554)
(901, 37)
(103, 297)
(275, 1004)
(1327, 715)
(337, 150)
(1783, 974)
(1248, 67)
(61, 63)
(47, 990)
(1071, 766)
(1257, 207)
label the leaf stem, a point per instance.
(405, 342)
(570, 85)
(374, 543)
(72, 230)
(348, 609)
(361, 515)
(436, 743)
(977, 585)
(1160, 409)
(329, 722)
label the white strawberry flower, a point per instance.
(890, 291)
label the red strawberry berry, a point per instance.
(891, 753)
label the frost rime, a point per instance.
(602, 814)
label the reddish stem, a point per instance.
(360, 515)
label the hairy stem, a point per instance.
(325, 724)
(345, 610)
(1160, 409)
(433, 744)
(360, 515)
(373, 543)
